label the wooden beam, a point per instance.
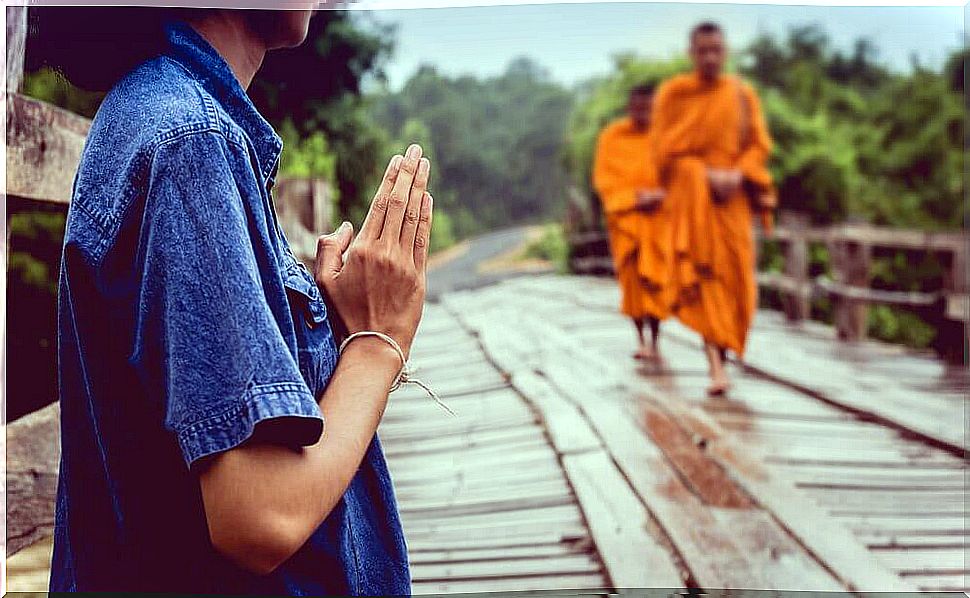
(44, 146)
(33, 456)
(16, 38)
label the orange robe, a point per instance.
(641, 242)
(698, 125)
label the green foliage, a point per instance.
(601, 101)
(39, 232)
(32, 268)
(495, 143)
(442, 231)
(51, 87)
(898, 326)
(550, 246)
(308, 156)
(316, 87)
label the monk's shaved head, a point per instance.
(708, 50)
(639, 105)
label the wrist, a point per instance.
(377, 353)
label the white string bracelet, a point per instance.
(403, 376)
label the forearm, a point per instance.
(264, 500)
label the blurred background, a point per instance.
(867, 109)
(865, 104)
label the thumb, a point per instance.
(330, 250)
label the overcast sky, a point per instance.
(575, 41)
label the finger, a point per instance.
(374, 221)
(413, 210)
(398, 199)
(422, 238)
(330, 252)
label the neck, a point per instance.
(229, 33)
(708, 80)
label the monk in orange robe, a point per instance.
(637, 219)
(711, 145)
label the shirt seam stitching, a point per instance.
(187, 433)
(163, 139)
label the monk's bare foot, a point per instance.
(719, 386)
(646, 353)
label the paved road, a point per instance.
(461, 272)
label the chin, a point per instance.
(282, 28)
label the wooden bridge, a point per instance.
(836, 466)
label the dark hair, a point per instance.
(705, 28)
(644, 89)
(93, 47)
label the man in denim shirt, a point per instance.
(213, 440)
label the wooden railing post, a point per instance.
(851, 258)
(322, 208)
(796, 304)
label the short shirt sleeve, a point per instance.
(206, 340)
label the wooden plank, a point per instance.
(566, 535)
(912, 561)
(942, 583)
(707, 548)
(16, 42)
(883, 581)
(490, 532)
(619, 525)
(527, 551)
(451, 507)
(564, 565)
(33, 454)
(29, 569)
(566, 428)
(44, 146)
(888, 525)
(832, 544)
(511, 584)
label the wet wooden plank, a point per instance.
(707, 547)
(787, 414)
(483, 498)
(619, 525)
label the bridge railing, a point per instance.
(848, 283)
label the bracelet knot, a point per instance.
(403, 375)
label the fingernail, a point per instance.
(424, 164)
(414, 150)
(396, 161)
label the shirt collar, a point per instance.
(211, 70)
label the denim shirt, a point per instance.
(185, 321)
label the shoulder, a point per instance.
(156, 105)
(746, 87)
(613, 128)
(677, 83)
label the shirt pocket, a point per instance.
(314, 336)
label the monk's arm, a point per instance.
(753, 160)
(660, 121)
(616, 194)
